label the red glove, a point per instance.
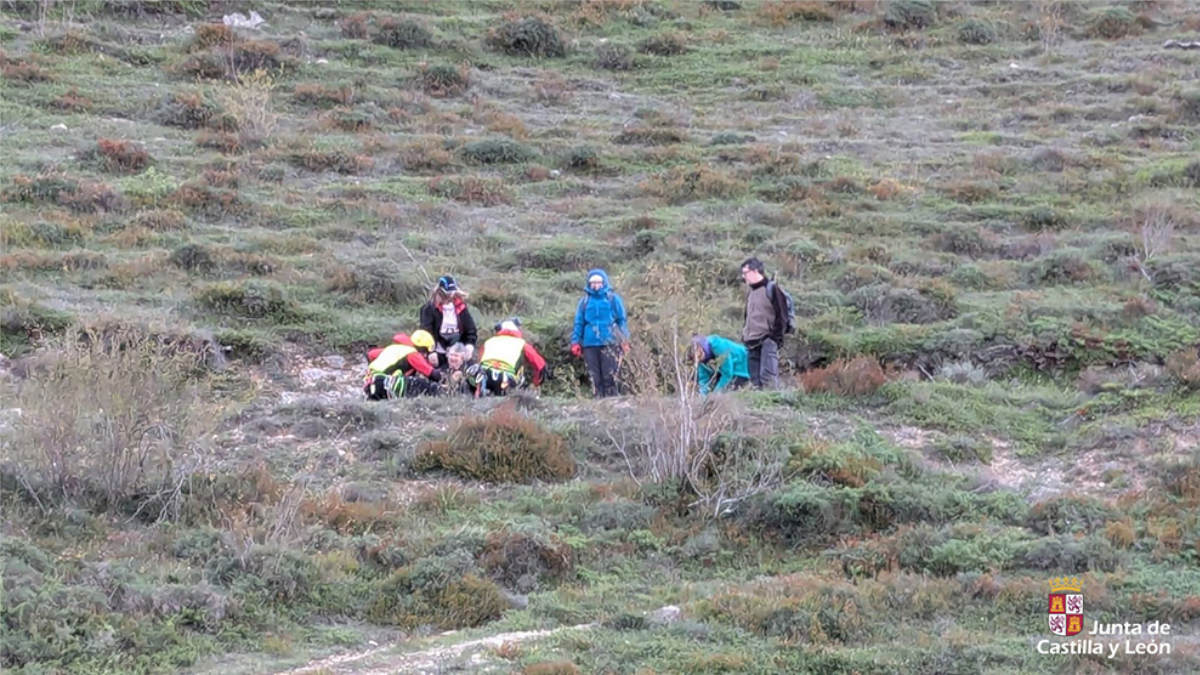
(576, 350)
(625, 347)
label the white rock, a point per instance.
(59, 127)
(665, 615)
(334, 361)
(321, 61)
(239, 20)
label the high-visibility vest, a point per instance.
(390, 359)
(502, 351)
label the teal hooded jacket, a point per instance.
(724, 357)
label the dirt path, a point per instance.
(384, 660)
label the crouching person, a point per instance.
(456, 378)
(721, 364)
(504, 359)
(401, 369)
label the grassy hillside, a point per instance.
(987, 214)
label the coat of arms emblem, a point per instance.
(1065, 614)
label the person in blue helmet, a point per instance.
(601, 335)
(720, 363)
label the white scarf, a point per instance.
(449, 319)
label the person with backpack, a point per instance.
(601, 334)
(447, 319)
(768, 316)
(720, 363)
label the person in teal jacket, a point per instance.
(722, 360)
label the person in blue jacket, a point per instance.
(722, 360)
(601, 334)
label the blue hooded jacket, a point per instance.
(599, 316)
(726, 357)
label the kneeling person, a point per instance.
(503, 359)
(401, 369)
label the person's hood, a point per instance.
(702, 342)
(603, 289)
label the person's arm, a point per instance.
(466, 327)
(577, 333)
(780, 306)
(725, 367)
(704, 376)
(534, 359)
(420, 364)
(619, 317)
(429, 317)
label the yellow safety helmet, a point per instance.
(422, 340)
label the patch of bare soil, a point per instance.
(384, 660)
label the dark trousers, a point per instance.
(383, 387)
(764, 364)
(602, 366)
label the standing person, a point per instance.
(766, 318)
(503, 360)
(447, 318)
(721, 360)
(600, 331)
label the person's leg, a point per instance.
(769, 372)
(608, 371)
(415, 385)
(738, 382)
(592, 358)
(752, 364)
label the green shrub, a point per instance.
(1069, 554)
(250, 299)
(905, 14)
(613, 57)
(530, 36)
(582, 158)
(193, 258)
(409, 599)
(649, 136)
(731, 138)
(1069, 514)
(441, 80)
(884, 303)
(497, 151)
(976, 32)
(505, 446)
(523, 562)
(402, 34)
(1060, 267)
(1112, 23)
(1044, 218)
(664, 44)
(1187, 105)
(377, 282)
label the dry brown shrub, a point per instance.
(211, 35)
(683, 184)
(355, 26)
(426, 154)
(348, 517)
(223, 141)
(1184, 365)
(121, 156)
(316, 93)
(470, 190)
(551, 668)
(859, 376)
(72, 101)
(506, 125)
(504, 446)
(888, 188)
(783, 12)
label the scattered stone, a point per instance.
(334, 361)
(664, 616)
(1176, 44)
(239, 20)
(59, 127)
